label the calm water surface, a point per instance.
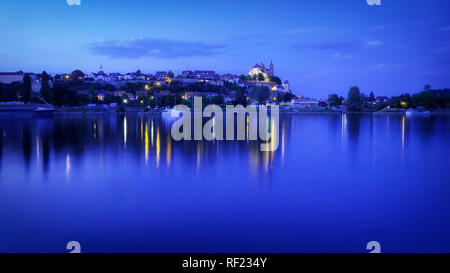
(121, 184)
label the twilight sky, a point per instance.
(320, 46)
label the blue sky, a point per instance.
(320, 46)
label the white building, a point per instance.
(10, 77)
(261, 69)
(100, 76)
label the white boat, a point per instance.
(414, 112)
(171, 113)
(44, 109)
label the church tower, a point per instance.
(271, 69)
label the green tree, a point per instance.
(59, 90)
(26, 89)
(427, 99)
(8, 92)
(45, 87)
(288, 97)
(259, 94)
(275, 80)
(243, 78)
(261, 77)
(354, 101)
(77, 74)
(130, 87)
(333, 100)
(170, 74)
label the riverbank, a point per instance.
(142, 110)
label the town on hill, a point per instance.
(165, 89)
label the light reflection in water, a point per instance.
(169, 150)
(125, 132)
(248, 125)
(151, 131)
(142, 130)
(341, 173)
(38, 149)
(158, 146)
(146, 143)
(198, 154)
(100, 129)
(344, 126)
(283, 132)
(68, 167)
(403, 133)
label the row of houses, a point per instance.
(160, 78)
(10, 77)
(115, 76)
(101, 95)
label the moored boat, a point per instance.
(414, 112)
(44, 110)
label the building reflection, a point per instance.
(353, 127)
(27, 143)
(45, 152)
(59, 140)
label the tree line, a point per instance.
(357, 101)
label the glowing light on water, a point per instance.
(125, 132)
(273, 137)
(142, 130)
(344, 126)
(198, 154)
(151, 132)
(248, 126)
(403, 132)
(169, 150)
(158, 147)
(146, 143)
(282, 141)
(38, 149)
(68, 167)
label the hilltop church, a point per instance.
(261, 69)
